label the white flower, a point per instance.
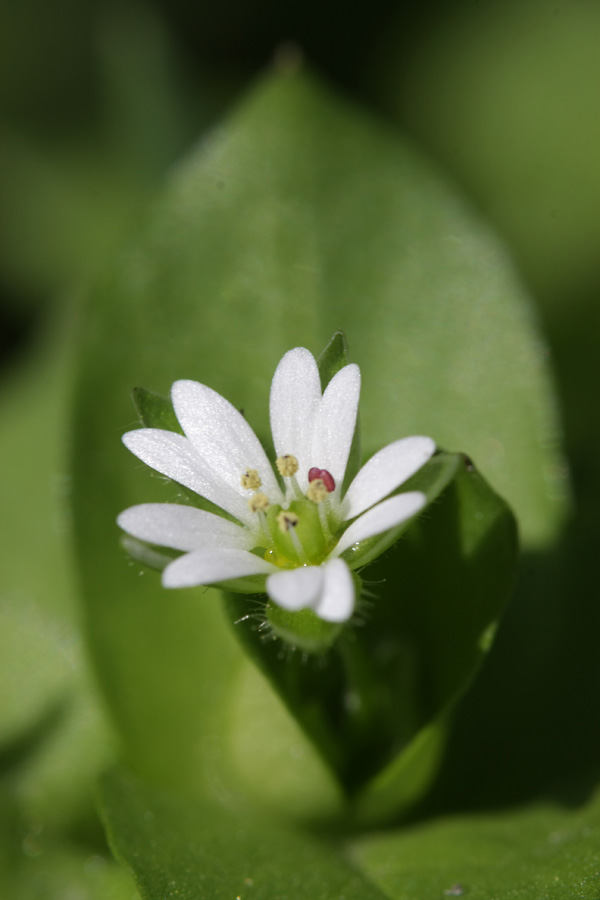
(293, 537)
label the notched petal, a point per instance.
(383, 517)
(386, 471)
(203, 567)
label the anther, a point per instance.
(251, 480)
(323, 475)
(287, 465)
(317, 492)
(258, 502)
(287, 520)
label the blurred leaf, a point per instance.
(204, 850)
(67, 208)
(525, 68)
(76, 181)
(53, 736)
(298, 216)
(544, 851)
(47, 870)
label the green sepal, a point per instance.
(302, 630)
(333, 358)
(154, 410)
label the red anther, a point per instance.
(325, 476)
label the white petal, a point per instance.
(222, 438)
(211, 566)
(183, 527)
(295, 589)
(173, 455)
(336, 603)
(381, 518)
(335, 423)
(386, 471)
(294, 402)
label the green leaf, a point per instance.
(544, 851)
(497, 67)
(219, 851)
(48, 869)
(53, 735)
(419, 646)
(300, 215)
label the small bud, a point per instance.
(258, 502)
(287, 519)
(287, 465)
(251, 480)
(317, 492)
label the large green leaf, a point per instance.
(420, 644)
(215, 851)
(201, 849)
(525, 69)
(524, 854)
(54, 738)
(300, 215)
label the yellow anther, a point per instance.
(287, 465)
(258, 502)
(287, 519)
(251, 480)
(317, 492)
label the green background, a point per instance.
(182, 198)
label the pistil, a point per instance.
(288, 521)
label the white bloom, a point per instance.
(293, 537)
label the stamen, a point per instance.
(251, 480)
(264, 527)
(317, 492)
(287, 465)
(259, 502)
(287, 520)
(323, 475)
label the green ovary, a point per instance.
(309, 537)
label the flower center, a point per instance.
(299, 534)
(297, 538)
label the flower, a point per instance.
(285, 535)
